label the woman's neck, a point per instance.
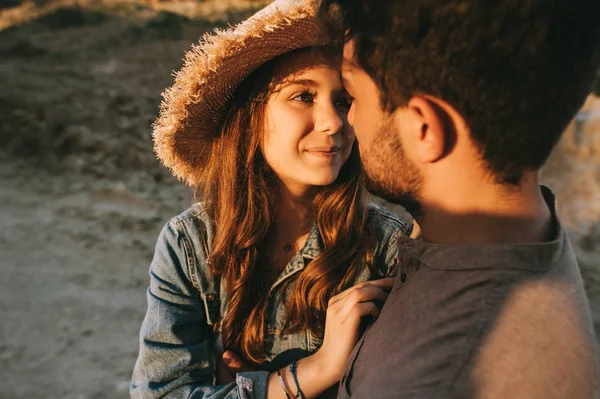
(293, 219)
(293, 208)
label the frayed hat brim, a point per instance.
(193, 108)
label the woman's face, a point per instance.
(307, 137)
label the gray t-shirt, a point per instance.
(490, 320)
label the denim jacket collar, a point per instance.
(310, 250)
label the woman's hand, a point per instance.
(320, 371)
(344, 314)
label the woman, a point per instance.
(259, 291)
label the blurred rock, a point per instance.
(590, 241)
(23, 49)
(167, 25)
(573, 170)
(70, 17)
(9, 3)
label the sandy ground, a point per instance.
(83, 199)
(74, 259)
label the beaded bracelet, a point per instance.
(299, 393)
(287, 395)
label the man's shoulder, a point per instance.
(443, 327)
(543, 322)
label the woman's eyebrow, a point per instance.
(302, 82)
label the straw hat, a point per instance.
(193, 107)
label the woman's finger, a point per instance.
(363, 309)
(363, 295)
(384, 283)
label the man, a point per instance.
(457, 105)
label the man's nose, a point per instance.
(351, 115)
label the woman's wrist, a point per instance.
(318, 363)
(278, 385)
(318, 369)
(313, 374)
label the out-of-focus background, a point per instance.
(82, 197)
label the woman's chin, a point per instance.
(324, 179)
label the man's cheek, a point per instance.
(362, 127)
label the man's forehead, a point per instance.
(349, 55)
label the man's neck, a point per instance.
(488, 213)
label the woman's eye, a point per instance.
(345, 103)
(305, 97)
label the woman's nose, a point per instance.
(328, 120)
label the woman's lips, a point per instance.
(324, 151)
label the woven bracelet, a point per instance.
(299, 393)
(287, 395)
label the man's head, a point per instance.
(493, 83)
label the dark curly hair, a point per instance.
(516, 70)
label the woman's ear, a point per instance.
(434, 134)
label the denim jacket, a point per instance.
(178, 344)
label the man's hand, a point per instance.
(228, 366)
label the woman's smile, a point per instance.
(324, 152)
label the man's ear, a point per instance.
(435, 135)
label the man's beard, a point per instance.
(390, 174)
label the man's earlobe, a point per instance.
(434, 140)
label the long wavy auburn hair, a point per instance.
(238, 188)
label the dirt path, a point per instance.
(74, 262)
